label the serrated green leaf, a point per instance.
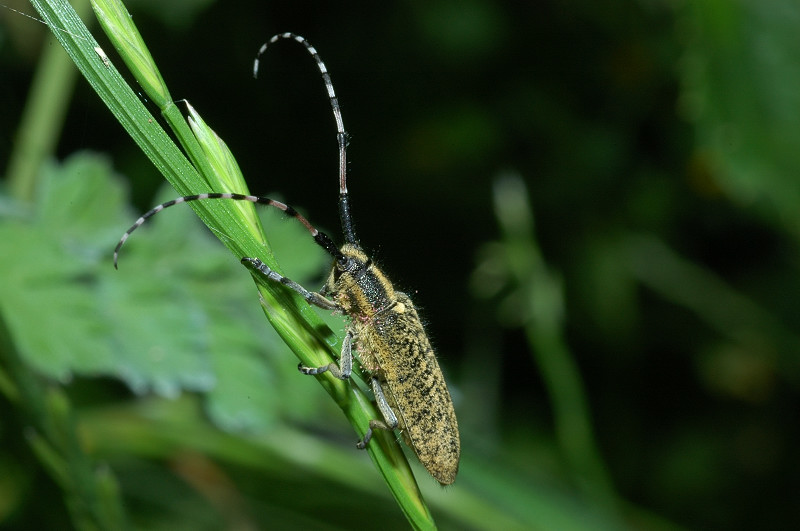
(81, 203)
(46, 282)
(44, 302)
(178, 315)
(246, 396)
(72, 313)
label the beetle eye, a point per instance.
(344, 264)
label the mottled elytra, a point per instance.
(384, 327)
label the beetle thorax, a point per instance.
(358, 286)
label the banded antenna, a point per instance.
(322, 239)
(341, 136)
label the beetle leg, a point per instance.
(390, 419)
(341, 371)
(311, 297)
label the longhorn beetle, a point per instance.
(385, 329)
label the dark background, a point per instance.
(593, 105)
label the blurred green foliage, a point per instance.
(628, 359)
